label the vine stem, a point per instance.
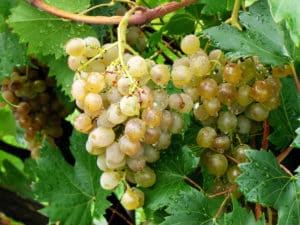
(222, 206)
(232, 187)
(284, 154)
(297, 82)
(264, 144)
(193, 183)
(144, 15)
(234, 18)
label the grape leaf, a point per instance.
(217, 6)
(296, 142)
(74, 193)
(180, 24)
(76, 6)
(13, 179)
(285, 119)
(262, 37)
(11, 54)
(263, 181)
(60, 70)
(8, 123)
(240, 216)
(5, 6)
(192, 206)
(45, 33)
(171, 169)
(289, 12)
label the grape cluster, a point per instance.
(35, 105)
(129, 117)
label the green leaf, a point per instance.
(289, 12)
(13, 179)
(296, 142)
(192, 206)
(45, 33)
(74, 193)
(217, 6)
(5, 6)
(64, 76)
(262, 37)
(8, 123)
(263, 181)
(11, 54)
(285, 119)
(180, 24)
(240, 216)
(172, 168)
(75, 6)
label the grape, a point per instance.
(23, 108)
(164, 141)
(217, 164)
(217, 55)
(279, 72)
(78, 89)
(227, 122)
(206, 136)
(9, 96)
(261, 91)
(135, 129)
(200, 64)
(130, 200)
(74, 62)
(183, 103)
(145, 96)
(249, 70)
(114, 154)
(93, 149)
(92, 104)
(212, 106)
(152, 135)
(273, 102)
(146, 177)
(83, 123)
(110, 54)
(243, 95)
(200, 112)
(113, 95)
(239, 153)
(190, 44)
(232, 173)
(102, 136)
(101, 162)
(92, 46)
(96, 65)
(181, 75)
(257, 112)
(151, 154)
(110, 180)
(167, 120)
(132, 34)
(244, 125)
(130, 105)
(227, 93)
(39, 86)
(232, 73)
(95, 82)
(136, 163)
(140, 44)
(178, 123)
(123, 85)
(137, 67)
(114, 114)
(221, 143)
(152, 117)
(75, 47)
(160, 74)
(161, 100)
(129, 147)
(192, 92)
(140, 195)
(208, 88)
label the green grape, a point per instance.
(221, 143)
(110, 180)
(232, 173)
(239, 153)
(212, 106)
(146, 177)
(75, 47)
(217, 164)
(208, 88)
(243, 95)
(160, 74)
(227, 122)
(227, 93)
(232, 73)
(190, 44)
(181, 75)
(92, 46)
(206, 136)
(257, 112)
(261, 91)
(130, 200)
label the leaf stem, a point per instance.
(234, 18)
(264, 144)
(193, 183)
(284, 154)
(145, 15)
(258, 211)
(270, 216)
(221, 206)
(286, 170)
(232, 158)
(120, 215)
(296, 79)
(232, 187)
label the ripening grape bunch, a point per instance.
(31, 95)
(129, 116)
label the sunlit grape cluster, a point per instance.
(129, 117)
(30, 93)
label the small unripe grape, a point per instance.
(75, 47)
(151, 154)
(227, 122)
(227, 93)
(130, 105)
(135, 129)
(137, 67)
(243, 95)
(132, 35)
(261, 91)
(181, 75)
(183, 61)
(232, 73)
(244, 125)
(102, 136)
(152, 117)
(200, 112)
(239, 153)
(221, 143)
(217, 55)
(178, 123)
(160, 74)
(232, 173)
(92, 46)
(208, 88)
(129, 147)
(167, 120)
(113, 95)
(217, 164)
(110, 180)
(111, 54)
(96, 65)
(206, 136)
(190, 44)
(83, 123)
(146, 177)
(257, 112)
